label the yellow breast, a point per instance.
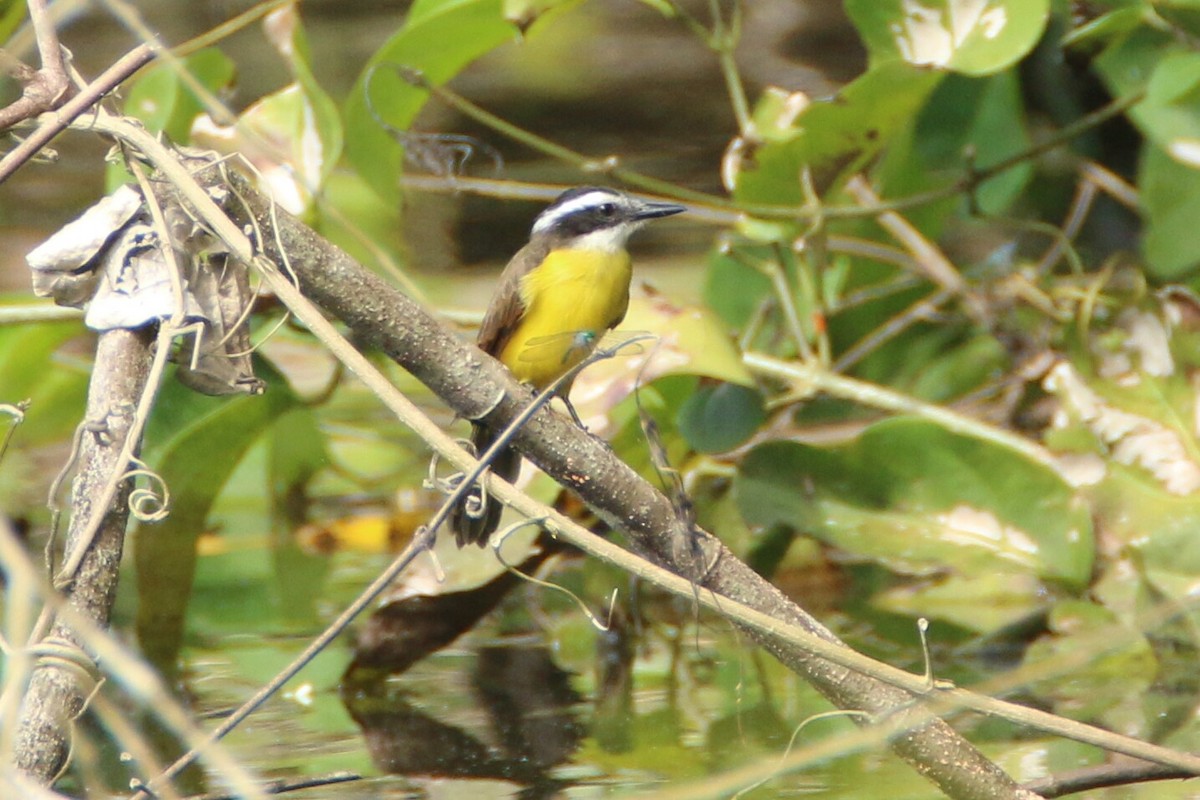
(571, 301)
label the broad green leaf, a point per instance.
(976, 37)
(1141, 420)
(1184, 14)
(56, 391)
(980, 602)
(1160, 525)
(297, 452)
(660, 402)
(1128, 63)
(25, 350)
(163, 102)
(12, 14)
(734, 290)
(691, 340)
(932, 362)
(919, 499)
(1170, 113)
(1169, 177)
(279, 137)
(57, 405)
(958, 370)
(718, 418)
(1131, 430)
(839, 137)
(195, 443)
(984, 117)
(438, 40)
(1108, 26)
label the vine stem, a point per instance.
(805, 377)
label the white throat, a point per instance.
(606, 240)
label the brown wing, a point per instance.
(506, 309)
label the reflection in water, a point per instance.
(612, 720)
(530, 707)
(405, 630)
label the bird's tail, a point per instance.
(475, 529)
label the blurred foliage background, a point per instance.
(927, 348)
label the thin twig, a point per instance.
(611, 166)
(932, 262)
(50, 127)
(292, 785)
(49, 50)
(1103, 776)
(920, 310)
(45, 88)
(808, 377)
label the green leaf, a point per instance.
(1183, 14)
(163, 102)
(1170, 113)
(979, 602)
(837, 138)
(917, 498)
(734, 290)
(1169, 117)
(293, 136)
(25, 350)
(691, 341)
(12, 14)
(438, 39)
(195, 442)
(981, 116)
(719, 418)
(976, 37)
(1108, 26)
(1127, 64)
(1170, 196)
(296, 452)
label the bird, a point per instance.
(558, 296)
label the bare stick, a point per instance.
(55, 696)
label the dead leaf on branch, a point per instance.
(111, 261)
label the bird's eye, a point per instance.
(608, 209)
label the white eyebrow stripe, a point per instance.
(550, 216)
